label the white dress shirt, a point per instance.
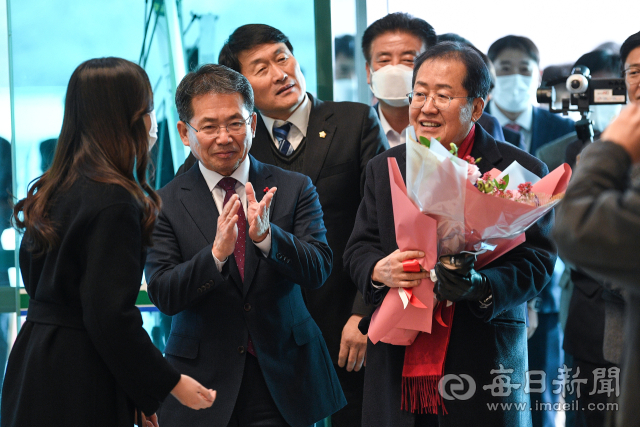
(524, 120)
(241, 175)
(299, 123)
(393, 137)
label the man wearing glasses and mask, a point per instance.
(235, 243)
(488, 333)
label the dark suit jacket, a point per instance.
(604, 243)
(492, 126)
(82, 353)
(336, 165)
(548, 126)
(214, 312)
(480, 340)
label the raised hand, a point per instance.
(258, 213)
(191, 393)
(227, 232)
(389, 270)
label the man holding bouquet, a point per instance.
(475, 372)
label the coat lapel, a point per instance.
(320, 133)
(261, 145)
(260, 178)
(198, 201)
(485, 147)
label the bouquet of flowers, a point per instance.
(448, 207)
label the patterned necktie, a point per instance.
(513, 126)
(281, 133)
(228, 184)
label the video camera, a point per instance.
(584, 91)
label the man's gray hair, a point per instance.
(211, 78)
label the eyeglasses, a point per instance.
(441, 102)
(233, 128)
(632, 74)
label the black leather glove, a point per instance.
(457, 279)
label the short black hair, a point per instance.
(211, 78)
(629, 44)
(555, 74)
(247, 37)
(600, 61)
(453, 37)
(477, 80)
(520, 43)
(398, 22)
(345, 45)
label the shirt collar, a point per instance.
(391, 134)
(386, 127)
(524, 120)
(299, 118)
(241, 174)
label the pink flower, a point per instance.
(473, 173)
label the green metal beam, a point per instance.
(324, 49)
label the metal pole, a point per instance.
(324, 48)
(14, 186)
(364, 94)
(177, 65)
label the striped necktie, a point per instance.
(281, 133)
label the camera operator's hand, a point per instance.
(625, 131)
(453, 286)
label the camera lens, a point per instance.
(575, 84)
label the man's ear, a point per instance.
(254, 124)
(184, 133)
(368, 73)
(477, 109)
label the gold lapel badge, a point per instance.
(323, 134)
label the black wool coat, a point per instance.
(82, 357)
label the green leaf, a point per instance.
(454, 149)
(425, 141)
(505, 184)
(438, 138)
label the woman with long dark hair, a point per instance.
(82, 357)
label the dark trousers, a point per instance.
(591, 408)
(352, 386)
(545, 354)
(255, 406)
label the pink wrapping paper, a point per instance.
(414, 231)
(486, 217)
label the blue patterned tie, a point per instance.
(281, 136)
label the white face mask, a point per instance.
(391, 84)
(153, 130)
(515, 92)
(602, 115)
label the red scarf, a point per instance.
(424, 359)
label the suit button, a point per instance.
(279, 256)
(288, 261)
(199, 290)
(210, 282)
(247, 307)
(241, 349)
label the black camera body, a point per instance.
(584, 91)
